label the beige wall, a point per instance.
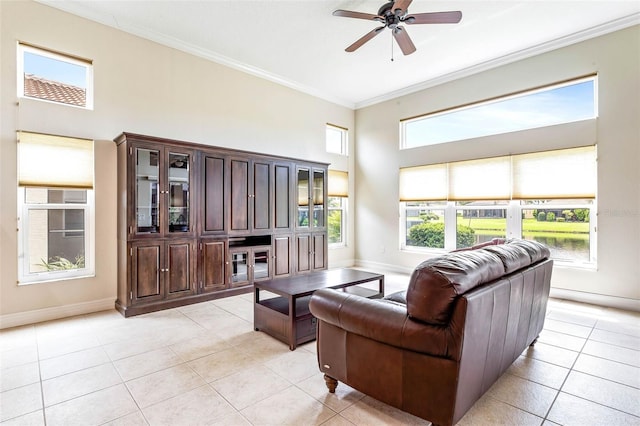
(140, 87)
(616, 59)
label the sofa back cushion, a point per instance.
(436, 283)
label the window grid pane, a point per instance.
(424, 225)
(481, 223)
(564, 228)
(336, 220)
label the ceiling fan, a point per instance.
(394, 13)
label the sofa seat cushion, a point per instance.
(436, 283)
(399, 297)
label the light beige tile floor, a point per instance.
(205, 365)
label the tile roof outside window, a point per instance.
(41, 88)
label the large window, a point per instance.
(546, 196)
(338, 186)
(54, 77)
(560, 103)
(55, 208)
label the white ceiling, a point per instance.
(299, 43)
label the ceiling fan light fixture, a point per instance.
(393, 13)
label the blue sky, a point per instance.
(545, 108)
(55, 70)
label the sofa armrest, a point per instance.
(385, 322)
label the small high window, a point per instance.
(54, 77)
(560, 103)
(337, 140)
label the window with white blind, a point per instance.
(337, 192)
(545, 196)
(55, 208)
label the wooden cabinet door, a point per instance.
(318, 254)
(146, 272)
(282, 195)
(260, 195)
(213, 197)
(303, 258)
(179, 275)
(282, 256)
(213, 260)
(239, 207)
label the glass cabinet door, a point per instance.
(178, 192)
(260, 264)
(239, 267)
(303, 198)
(318, 199)
(147, 173)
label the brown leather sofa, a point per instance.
(436, 348)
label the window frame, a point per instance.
(344, 139)
(24, 276)
(59, 56)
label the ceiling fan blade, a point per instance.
(358, 15)
(434, 18)
(365, 38)
(404, 41)
(403, 5)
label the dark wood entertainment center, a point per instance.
(199, 222)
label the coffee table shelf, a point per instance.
(287, 317)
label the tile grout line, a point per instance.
(587, 339)
(567, 376)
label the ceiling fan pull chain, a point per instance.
(391, 46)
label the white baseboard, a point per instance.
(382, 267)
(596, 299)
(56, 312)
(342, 264)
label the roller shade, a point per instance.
(338, 185)
(485, 179)
(558, 174)
(54, 161)
(424, 183)
(567, 173)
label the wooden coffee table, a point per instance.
(286, 316)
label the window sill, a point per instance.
(49, 279)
